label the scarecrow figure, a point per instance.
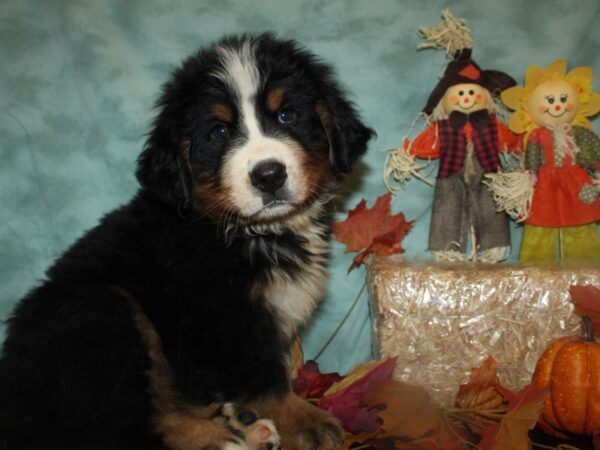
(464, 133)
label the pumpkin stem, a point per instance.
(588, 329)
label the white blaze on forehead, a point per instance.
(240, 72)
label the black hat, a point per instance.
(462, 69)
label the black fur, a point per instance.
(73, 366)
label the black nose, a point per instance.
(268, 176)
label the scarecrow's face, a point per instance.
(553, 102)
(465, 98)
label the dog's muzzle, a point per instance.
(269, 178)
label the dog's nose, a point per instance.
(268, 176)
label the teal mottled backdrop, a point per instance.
(78, 79)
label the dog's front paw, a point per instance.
(256, 433)
(312, 429)
(216, 428)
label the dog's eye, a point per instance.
(286, 116)
(218, 132)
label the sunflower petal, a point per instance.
(583, 72)
(533, 75)
(557, 68)
(512, 96)
(592, 107)
(519, 122)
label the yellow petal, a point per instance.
(533, 74)
(592, 107)
(582, 72)
(582, 121)
(519, 122)
(558, 67)
(511, 97)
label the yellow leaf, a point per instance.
(356, 374)
(296, 358)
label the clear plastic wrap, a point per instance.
(443, 319)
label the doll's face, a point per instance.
(465, 97)
(553, 102)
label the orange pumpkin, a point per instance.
(570, 367)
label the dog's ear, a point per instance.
(346, 134)
(164, 169)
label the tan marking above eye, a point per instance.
(275, 99)
(222, 112)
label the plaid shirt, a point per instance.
(453, 145)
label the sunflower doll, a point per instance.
(562, 159)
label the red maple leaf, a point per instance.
(587, 303)
(372, 231)
(347, 404)
(311, 383)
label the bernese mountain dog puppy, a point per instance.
(167, 325)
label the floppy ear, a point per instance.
(164, 169)
(346, 134)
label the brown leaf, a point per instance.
(587, 303)
(523, 412)
(408, 414)
(481, 392)
(372, 231)
(352, 439)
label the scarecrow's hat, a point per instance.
(453, 35)
(462, 69)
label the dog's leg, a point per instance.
(186, 427)
(301, 425)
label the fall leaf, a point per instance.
(346, 404)
(404, 408)
(353, 440)
(587, 303)
(408, 414)
(481, 392)
(311, 383)
(296, 358)
(523, 411)
(372, 231)
(357, 373)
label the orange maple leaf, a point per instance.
(587, 303)
(372, 231)
(483, 389)
(522, 413)
(408, 414)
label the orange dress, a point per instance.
(556, 200)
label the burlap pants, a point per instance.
(461, 202)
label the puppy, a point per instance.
(166, 326)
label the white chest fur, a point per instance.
(293, 297)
